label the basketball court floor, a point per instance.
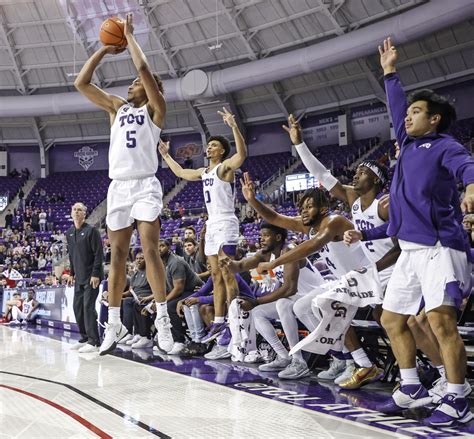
(49, 391)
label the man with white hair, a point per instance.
(86, 258)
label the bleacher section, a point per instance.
(11, 185)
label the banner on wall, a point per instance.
(56, 303)
(188, 150)
(86, 156)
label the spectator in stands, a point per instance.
(42, 220)
(14, 173)
(41, 261)
(166, 213)
(21, 198)
(249, 217)
(9, 219)
(134, 300)
(181, 281)
(86, 258)
(42, 193)
(190, 232)
(50, 220)
(35, 220)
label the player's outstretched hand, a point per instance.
(128, 28)
(228, 118)
(294, 130)
(352, 236)
(388, 56)
(164, 148)
(248, 187)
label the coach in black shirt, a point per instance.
(86, 258)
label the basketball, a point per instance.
(112, 32)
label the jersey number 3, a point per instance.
(131, 140)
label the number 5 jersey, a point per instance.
(133, 144)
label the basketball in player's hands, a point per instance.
(112, 32)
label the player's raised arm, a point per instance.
(267, 213)
(305, 249)
(156, 101)
(314, 166)
(178, 170)
(99, 97)
(234, 162)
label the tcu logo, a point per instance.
(341, 311)
(131, 118)
(364, 225)
(425, 145)
(208, 182)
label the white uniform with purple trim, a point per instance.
(374, 250)
(222, 227)
(134, 193)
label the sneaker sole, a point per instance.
(464, 420)
(211, 338)
(113, 345)
(295, 377)
(109, 350)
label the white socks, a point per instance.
(114, 315)
(410, 376)
(361, 358)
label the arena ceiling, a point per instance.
(44, 43)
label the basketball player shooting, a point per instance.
(134, 193)
(222, 227)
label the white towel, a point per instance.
(243, 331)
(338, 306)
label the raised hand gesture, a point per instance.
(388, 56)
(228, 118)
(164, 148)
(248, 187)
(294, 130)
(128, 28)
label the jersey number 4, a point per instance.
(131, 140)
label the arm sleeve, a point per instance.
(244, 289)
(205, 290)
(315, 167)
(379, 232)
(179, 271)
(96, 245)
(460, 163)
(207, 300)
(397, 103)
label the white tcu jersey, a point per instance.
(133, 141)
(309, 278)
(340, 258)
(219, 195)
(366, 220)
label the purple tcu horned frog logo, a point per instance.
(86, 156)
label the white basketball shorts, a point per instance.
(430, 274)
(221, 232)
(130, 200)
